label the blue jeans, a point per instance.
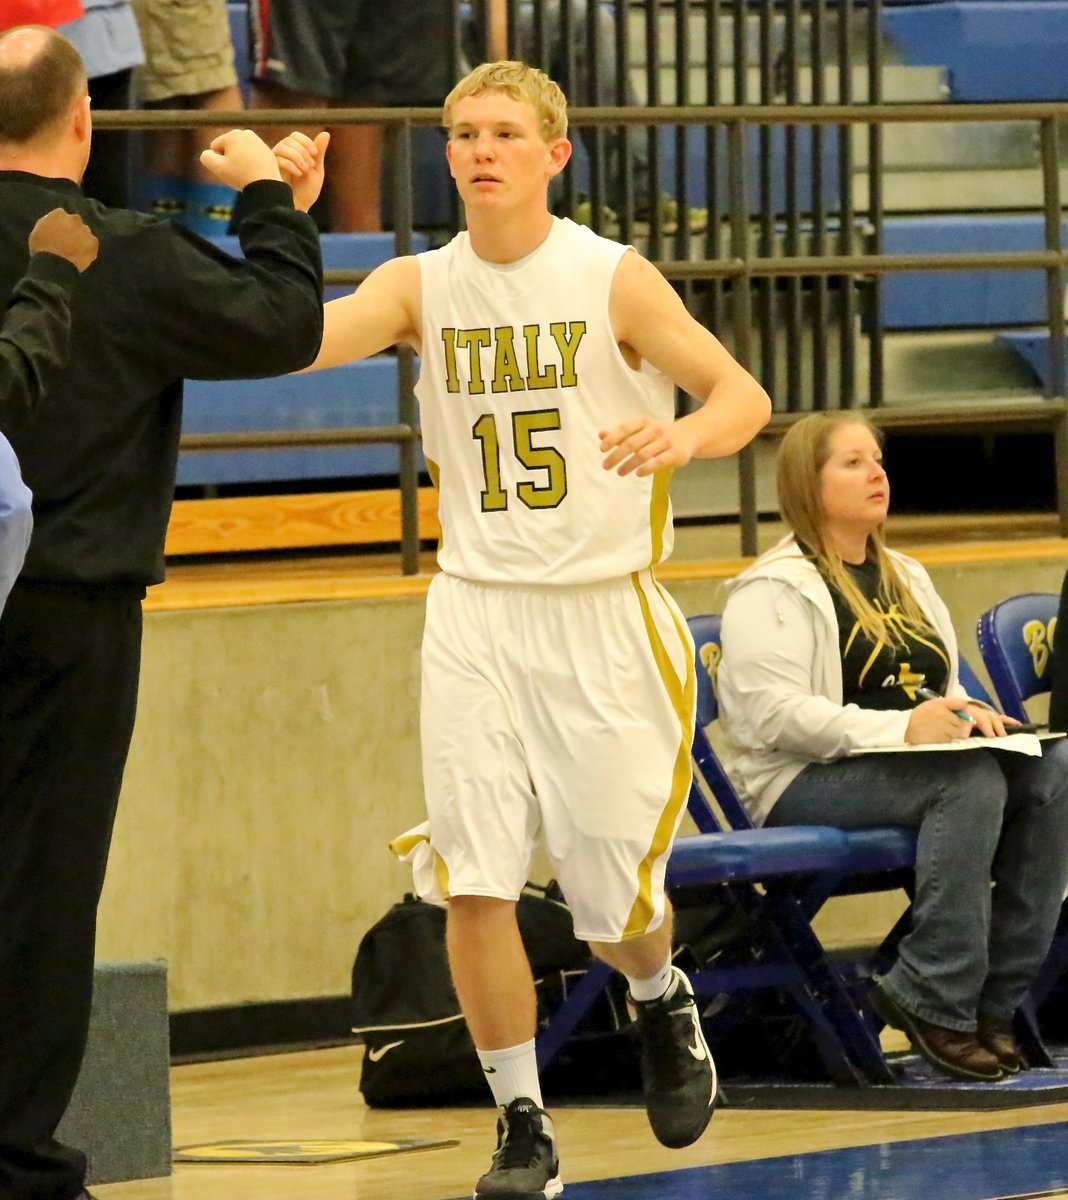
(991, 866)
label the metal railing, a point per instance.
(732, 269)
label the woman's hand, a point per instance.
(990, 723)
(937, 721)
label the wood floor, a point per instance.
(313, 1095)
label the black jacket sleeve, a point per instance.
(34, 335)
(243, 318)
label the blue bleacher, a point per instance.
(357, 394)
(995, 49)
(953, 299)
(1033, 346)
(345, 252)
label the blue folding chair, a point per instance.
(771, 881)
(1016, 642)
(876, 859)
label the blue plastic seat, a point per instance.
(1016, 640)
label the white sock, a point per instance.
(511, 1073)
(652, 988)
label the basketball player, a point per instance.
(558, 689)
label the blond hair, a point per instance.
(804, 453)
(519, 82)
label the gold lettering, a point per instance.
(507, 377)
(567, 338)
(474, 340)
(448, 338)
(536, 378)
(1038, 640)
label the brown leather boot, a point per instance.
(998, 1037)
(954, 1051)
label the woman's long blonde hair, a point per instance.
(803, 455)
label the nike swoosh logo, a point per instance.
(382, 1051)
(699, 1050)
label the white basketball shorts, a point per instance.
(560, 712)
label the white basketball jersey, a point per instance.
(519, 375)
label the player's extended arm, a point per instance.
(648, 316)
(382, 312)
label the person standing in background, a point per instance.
(107, 39)
(39, 12)
(592, 68)
(349, 54)
(99, 452)
(33, 346)
(189, 63)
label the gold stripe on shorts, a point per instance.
(682, 696)
(407, 842)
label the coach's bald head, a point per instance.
(45, 125)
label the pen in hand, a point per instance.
(927, 694)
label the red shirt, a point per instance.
(39, 12)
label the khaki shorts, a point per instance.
(188, 48)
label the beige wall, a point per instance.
(276, 753)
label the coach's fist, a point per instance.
(239, 158)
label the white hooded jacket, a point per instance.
(779, 683)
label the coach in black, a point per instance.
(99, 454)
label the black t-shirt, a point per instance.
(886, 675)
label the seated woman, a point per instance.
(827, 641)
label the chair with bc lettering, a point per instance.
(1016, 641)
